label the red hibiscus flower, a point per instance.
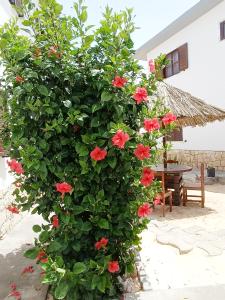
(151, 124)
(119, 81)
(119, 139)
(28, 269)
(42, 256)
(101, 244)
(140, 95)
(157, 200)
(63, 188)
(142, 152)
(19, 79)
(113, 266)
(151, 64)
(144, 210)
(169, 118)
(15, 166)
(14, 293)
(147, 177)
(98, 154)
(13, 209)
(55, 221)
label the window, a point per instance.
(178, 61)
(222, 30)
(176, 135)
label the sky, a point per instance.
(151, 15)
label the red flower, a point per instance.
(151, 124)
(15, 166)
(63, 188)
(119, 139)
(113, 266)
(55, 221)
(19, 79)
(140, 95)
(101, 244)
(169, 118)
(151, 64)
(119, 81)
(42, 256)
(147, 177)
(14, 292)
(28, 269)
(144, 210)
(98, 154)
(13, 209)
(142, 152)
(157, 200)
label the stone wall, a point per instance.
(194, 158)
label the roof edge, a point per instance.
(195, 12)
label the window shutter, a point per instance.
(183, 57)
(176, 135)
(222, 33)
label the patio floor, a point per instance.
(185, 250)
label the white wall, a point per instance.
(6, 11)
(205, 76)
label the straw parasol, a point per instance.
(190, 110)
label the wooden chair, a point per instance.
(172, 161)
(165, 193)
(195, 187)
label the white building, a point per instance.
(7, 10)
(195, 44)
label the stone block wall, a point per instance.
(194, 158)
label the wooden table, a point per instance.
(173, 179)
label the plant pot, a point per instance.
(211, 172)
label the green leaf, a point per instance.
(36, 228)
(106, 96)
(43, 237)
(43, 90)
(28, 87)
(103, 224)
(54, 246)
(61, 290)
(112, 162)
(31, 253)
(95, 122)
(79, 268)
(81, 149)
(96, 107)
(83, 16)
(101, 283)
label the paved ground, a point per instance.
(185, 251)
(12, 262)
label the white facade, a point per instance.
(204, 77)
(6, 12)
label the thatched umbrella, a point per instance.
(190, 111)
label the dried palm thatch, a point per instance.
(190, 111)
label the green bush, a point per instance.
(74, 101)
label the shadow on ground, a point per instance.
(11, 267)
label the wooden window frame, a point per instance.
(179, 64)
(172, 64)
(222, 30)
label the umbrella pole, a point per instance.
(164, 152)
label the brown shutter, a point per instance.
(222, 33)
(183, 57)
(176, 135)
